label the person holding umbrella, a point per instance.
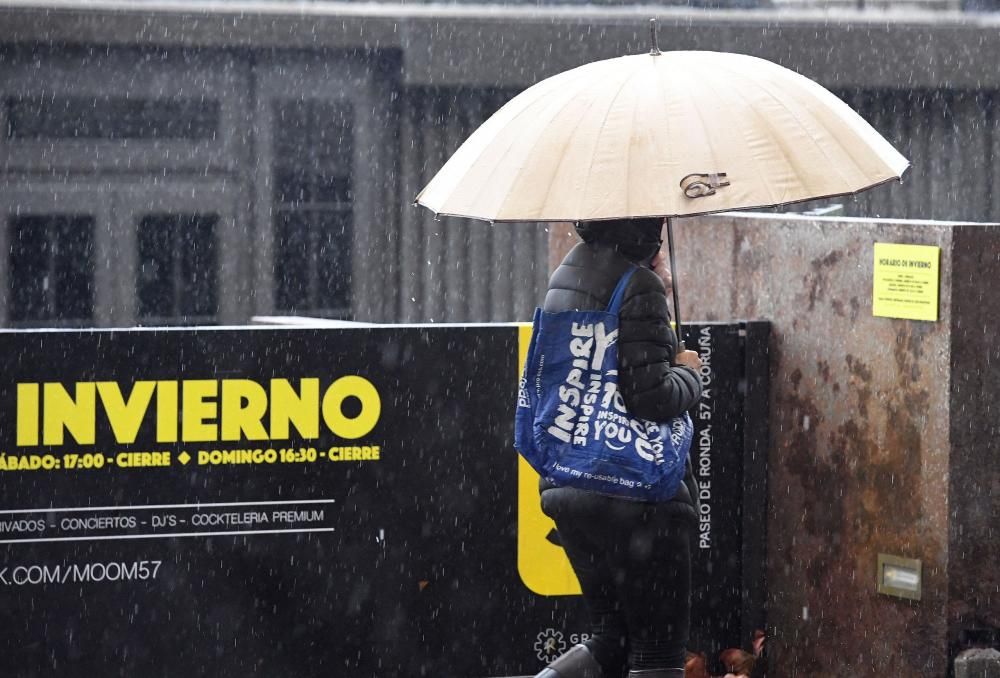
(632, 558)
(620, 147)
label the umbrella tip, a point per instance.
(654, 49)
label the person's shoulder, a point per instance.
(597, 265)
(583, 255)
(645, 281)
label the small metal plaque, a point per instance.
(899, 577)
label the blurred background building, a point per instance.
(180, 162)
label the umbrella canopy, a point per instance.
(662, 134)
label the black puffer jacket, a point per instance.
(652, 386)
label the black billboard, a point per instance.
(314, 502)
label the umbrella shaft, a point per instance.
(673, 274)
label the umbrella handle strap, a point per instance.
(700, 185)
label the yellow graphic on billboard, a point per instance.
(247, 413)
(208, 410)
(541, 561)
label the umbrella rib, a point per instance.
(679, 215)
(778, 100)
(486, 184)
(850, 156)
(669, 154)
(569, 137)
(607, 112)
(805, 129)
(701, 119)
(488, 145)
(798, 139)
(628, 158)
(753, 154)
(708, 134)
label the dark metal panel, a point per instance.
(503, 253)
(937, 157)
(718, 459)
(456, 231)
(501, 236)
(756, 439)
(974, 434)
(867, 105)
(967, 196)
(434, 262)
(479, 108)
(387, 212)
(946, 136)
(892, 202)
(992, 140)
(919, 198)
(374, 165)
(459, 269)
(411, 218)
(522, 270)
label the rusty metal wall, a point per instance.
(458, 270)
(859, 435)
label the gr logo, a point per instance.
(541, 559)
(549, 644)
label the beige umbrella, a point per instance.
(661, 134)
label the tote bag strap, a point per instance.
(615, 305)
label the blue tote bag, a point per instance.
(571, 423)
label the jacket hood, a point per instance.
(636, 239)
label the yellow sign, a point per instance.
(541, 561)
(906, 283)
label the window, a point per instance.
(51, 268)
(313, 199)
(109, 117)
(177, 268)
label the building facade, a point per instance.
(168, 164)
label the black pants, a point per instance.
(633, 561)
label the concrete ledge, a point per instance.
(978, 663)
